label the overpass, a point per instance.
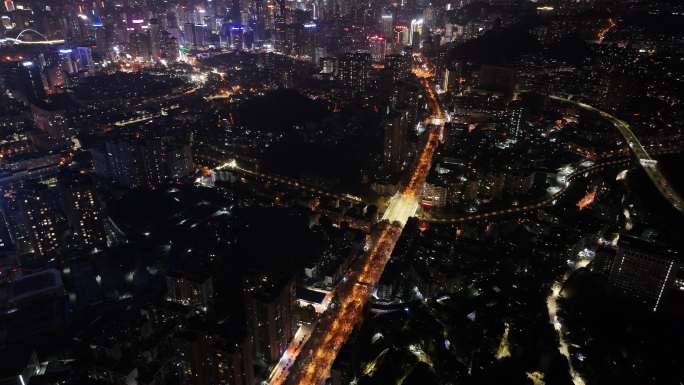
(649, 165)
(232, 166)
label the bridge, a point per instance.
(232, 166)
(18, 39)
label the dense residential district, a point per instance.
(341, 192)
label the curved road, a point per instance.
(649, 164)
(533, 205)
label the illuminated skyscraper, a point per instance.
(515, 119)
(146, 162)
(398, 65)
(85, 57)
(396, 141)
(53, 126)
(258, 20)
(644, 270)
(387, 24)
(39, 209)
(377, 47)
(308, 40)
(13, 220)
(416, 32)
(168, 47)
(139, 46)
(220, 354)
(354, 70)
(83, 210)
(31, 81)
(155, 39)
(328, 66)
(268, 306)
(188, 289)
(402, 35)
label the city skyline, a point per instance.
(333, 192)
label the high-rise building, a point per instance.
(258, 20)
(144, 162)
(309, 40)
(416, 32)
(85, 57)
(210, 356)
(190, 289)
(121, 163)
(396, 141)
(354, 70)
(154, 160)
(40, 215)
(387, 24)
(194, 35)
(103, 35)
(399, 66)
(155, 39)
(235, 25)
(168, 47)
(268, 307)
(514, 123)
(66, 63)
(236, 37)
(38, 303)
(13, 220)
(31, 81)
(82, 208)
(377, 47)
(139, 45)
(172, 25)
(329, 65)
(53, 126)
(402, 34)
(643, 269)
(178, 158)
(429, 17)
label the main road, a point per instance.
(334, 329)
